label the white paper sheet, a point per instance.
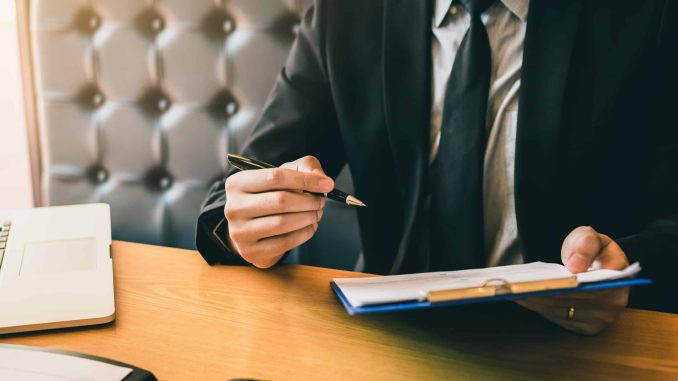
(598, 275)
(400, 288)
(31, 365)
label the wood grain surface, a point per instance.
(185, 320)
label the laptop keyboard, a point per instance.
(4, 235)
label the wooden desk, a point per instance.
(184, 320)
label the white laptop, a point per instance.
(55, 268)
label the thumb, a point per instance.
(580, 248)
(585, 247)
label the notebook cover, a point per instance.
(417, 305)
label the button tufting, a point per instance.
(227, 26)
(163, 104)
(87, 21)
(102, 175)
(97, 99)
(90, 97)
(93, 22)
(97, 174)
(165, 182)
(216, 24)
(154, 101)
(231, 108)
(157, 24)
(150, 22)
(223, 105)
(158, 179)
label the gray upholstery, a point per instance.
(138, 102)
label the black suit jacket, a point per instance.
(597, 140)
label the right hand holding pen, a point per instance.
(267, 212)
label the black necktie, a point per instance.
(457, 182)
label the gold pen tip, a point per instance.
(350, 200)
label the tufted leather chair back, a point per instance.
(137, 102)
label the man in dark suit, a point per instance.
(478, 133)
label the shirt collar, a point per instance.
(517, 7)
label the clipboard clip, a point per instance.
(498, 286)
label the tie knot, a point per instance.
(476, 7)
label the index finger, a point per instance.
(265, 180)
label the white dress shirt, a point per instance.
(505, 22)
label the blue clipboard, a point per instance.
(420, 305)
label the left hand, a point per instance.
(593, 311)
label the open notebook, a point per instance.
(426, 290)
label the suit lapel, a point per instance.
(407, 92)
(549, 40)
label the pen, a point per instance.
(246, 163)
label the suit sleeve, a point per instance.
(298, 120)
(656, 247)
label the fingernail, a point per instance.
(578, 263)
(322, 202)
(326, 184)
(320, 214)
